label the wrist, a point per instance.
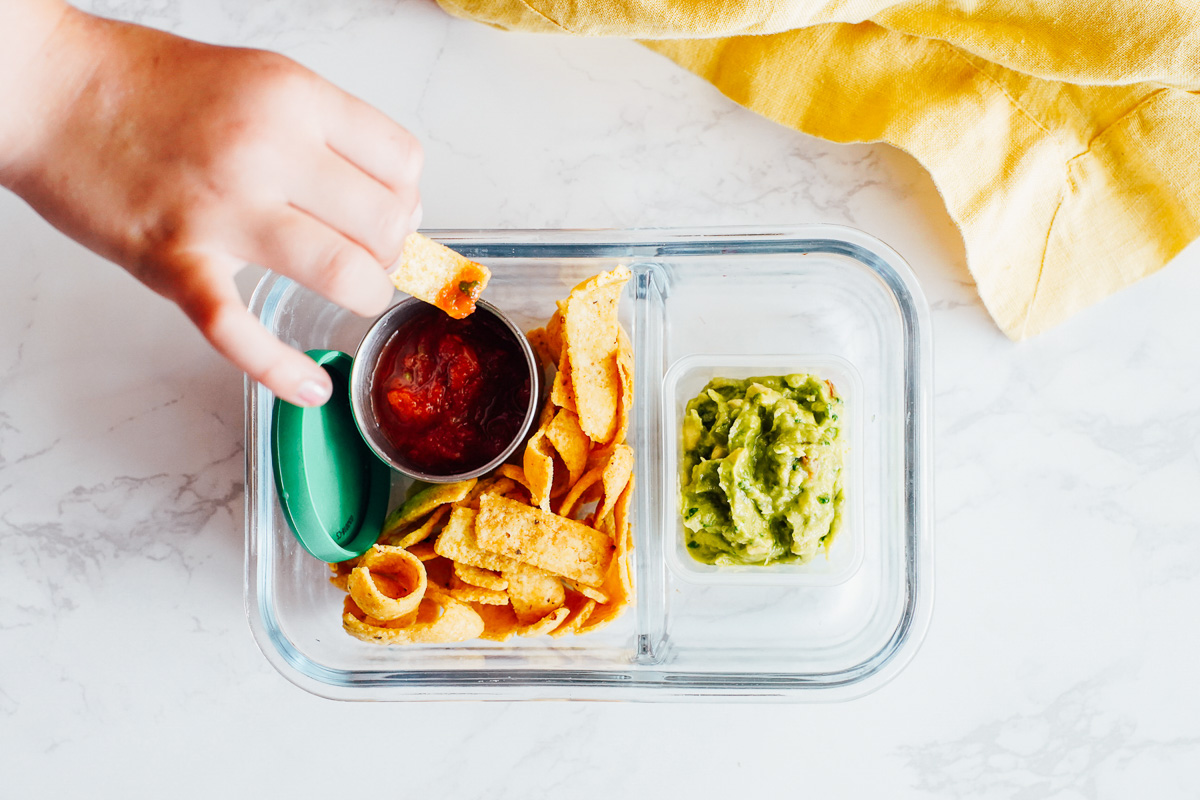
(45, 54)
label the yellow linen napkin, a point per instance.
(1060, 133)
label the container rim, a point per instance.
(899, 649)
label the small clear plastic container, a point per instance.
(822, 299)
(685, 379)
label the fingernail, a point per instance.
(414, 221)
(312, 393)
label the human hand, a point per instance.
(183, 162)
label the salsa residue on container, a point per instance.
(450, 394)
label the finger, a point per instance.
(351, 202)
(211, 301)
(314, 254)
(370, 140)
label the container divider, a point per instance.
(651, 619)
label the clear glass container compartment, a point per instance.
(734, 302)
(686, 378)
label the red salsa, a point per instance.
(450, 394)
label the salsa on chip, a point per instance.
(436, 274)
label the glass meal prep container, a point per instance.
(702, 303)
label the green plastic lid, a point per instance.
(333, 489)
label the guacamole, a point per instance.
(761, 479)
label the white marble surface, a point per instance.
(1064, 646)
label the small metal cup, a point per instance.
(366, 359)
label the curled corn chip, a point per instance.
(388, 582)
(350, 607)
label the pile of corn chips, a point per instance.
(541, 548)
